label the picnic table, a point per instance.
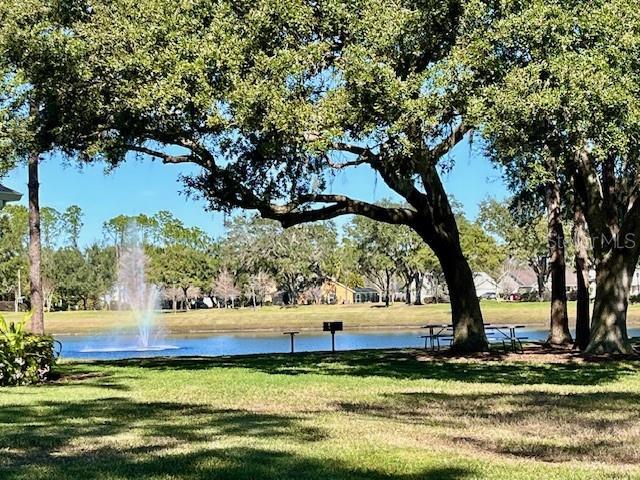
(436, 332)
(508, 335)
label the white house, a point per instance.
(485, 285)
(432, 283)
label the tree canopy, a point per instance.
(564, 84)
(270, 99)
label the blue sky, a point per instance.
(147, 187)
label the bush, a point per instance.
(25, 358)
(634, 298)
(533, 296)
(529, 297)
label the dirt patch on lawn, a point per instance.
(536, 353)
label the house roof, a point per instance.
(365, 290)
(480, 278)
(341, 285)
(8, 195)
(525, 277)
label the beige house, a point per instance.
(519, 280)
(336, 293)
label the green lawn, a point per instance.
(365, 415)
(305, 317)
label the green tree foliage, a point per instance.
(28, 119)
(390, 254)
(72, 224)
(348, 269)
(378, 246)
(526, 243)
(115, 230)
(387, 253)
(71, 277)
(181, 257)
(298, 257)
(482, 250)
(560, 81)
(52, 226)
(101, 265)
(79, 279)
(269, 98)
(13, 248)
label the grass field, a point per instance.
(367, 415)
(304, 317)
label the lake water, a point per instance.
(115, 347)
(104, 347)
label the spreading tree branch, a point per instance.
(294, 214)
(449, 142)
(165, 157)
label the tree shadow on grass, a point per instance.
(33, 431)
(401, 364)
(211, 464)
(117, 438)
(77, 376)
(600, 426)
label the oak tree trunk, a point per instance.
(35, 260)
(612, 220)
(408, 289)
(609, 321)
(387, 288)
(580, 239)
(539, 266)
(468, 326)
(559, 333)
(419, 282)
(437, 227)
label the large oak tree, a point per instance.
(271, 99)
(565, 86)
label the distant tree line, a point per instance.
(251, 262)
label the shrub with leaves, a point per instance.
(25, 358)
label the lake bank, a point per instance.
(309, 317)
